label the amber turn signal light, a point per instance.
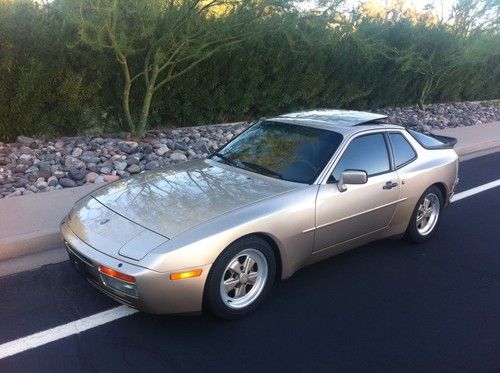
(115, 274)
(183, 275)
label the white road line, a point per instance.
(62, 331)
(476, 190)
(41, 338)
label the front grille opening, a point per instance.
(83, 258)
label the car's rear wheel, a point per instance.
(240, 278)
(426, 216)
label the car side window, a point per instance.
(367, 153)
(403, 152)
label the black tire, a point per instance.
(412, 232)
(213, 299)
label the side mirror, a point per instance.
(351, 177)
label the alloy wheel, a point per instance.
(244, 279)
(428, 214)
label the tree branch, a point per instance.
(171, 76)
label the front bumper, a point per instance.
(156, 293)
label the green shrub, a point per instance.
(51, 84)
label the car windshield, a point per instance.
(281, 150)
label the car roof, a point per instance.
(343, 121)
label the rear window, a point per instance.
(403, 152)
(425, 140)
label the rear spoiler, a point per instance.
(431, 141)
(448, 142)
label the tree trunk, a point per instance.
(146, 106)
(126, 107)
(146, 103)
(126, 97)
(425, 91)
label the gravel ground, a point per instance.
(31, 166)
(439, 116)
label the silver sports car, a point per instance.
(289, 191)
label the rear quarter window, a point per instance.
(403, 151)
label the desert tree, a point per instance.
(469, 16)
(157, 41)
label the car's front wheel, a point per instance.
(240, 278)
(426, 216)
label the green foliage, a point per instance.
(60, 73)
(46, 87)
(404, 64)
(159, 41)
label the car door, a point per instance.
(361, 209)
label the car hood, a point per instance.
(171, 200)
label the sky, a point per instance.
(441, 6)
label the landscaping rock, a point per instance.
(21, 183)
(120, 165)
(133, 159)
(106, 170)
(58, 174)
(111, 178)
(162, 150)
(91, 177)
(67, 183)
(152, 165)
(45, 173)
(25, 140)
(100, 179)
(41, 183)
(77, 174)
(178, 157)
(26, 159)
(134, 169)
(73, 162)
(31, 166)
(52, 181)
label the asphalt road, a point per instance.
(387, 306)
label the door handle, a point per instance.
(390, 185)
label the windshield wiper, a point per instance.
(226, 159)
(248, 165)
(261, 169)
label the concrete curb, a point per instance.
(32, 261)
(28, 226)
(474, 138)
(466, 150)
(29, 243)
